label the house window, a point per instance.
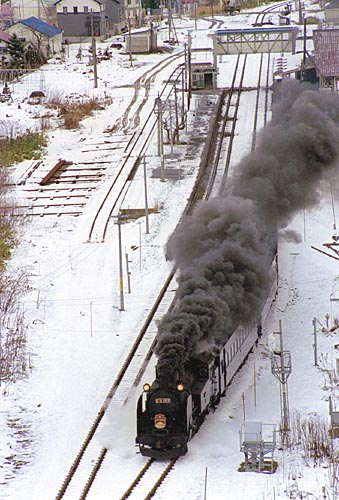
(75, 10)
(64, 10)
(85, 9)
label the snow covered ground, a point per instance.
(78, 337)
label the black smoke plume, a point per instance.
(224, 249)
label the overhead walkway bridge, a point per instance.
(255, 40)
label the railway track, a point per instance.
(83, 478)
(127, 378)
(79, 482)
(226, 135)
(115, 190)
(228, 111)
(230, 105)
(158, 472)
(67, 186)
(131, 118)
(261, 16)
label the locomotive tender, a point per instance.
(169, 412)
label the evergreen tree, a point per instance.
(33, 57)
(16, 49)
(151, 4)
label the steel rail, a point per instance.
(255, 124)
(110, 395)
(195, 195)
(142, 148)
(237, 93)
(268, 10)
(220, 137)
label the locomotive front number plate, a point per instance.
(163, 400)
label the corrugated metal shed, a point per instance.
(326, 51)
(142, 40)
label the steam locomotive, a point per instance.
(169, 412)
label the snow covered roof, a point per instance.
(326, 54)
(143, 30)
(38, 25)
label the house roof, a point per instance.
(5, 10)
(326, 52)
(40, 26)
(100, 2)
(4, 37)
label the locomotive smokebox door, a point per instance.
(160, 421)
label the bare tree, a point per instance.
(13, 357)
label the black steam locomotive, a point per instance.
(169, 412)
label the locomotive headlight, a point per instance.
(146, 387)
(180, 387)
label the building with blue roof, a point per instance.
(32, 31)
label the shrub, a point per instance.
(25, 147)
(72, 111)
(13, 362)
(312, 434)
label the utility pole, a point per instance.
(303, 61)
(169, 9)
(300, 12)
(171, 126)
(121, 281)
(129, 35)
(188, 69)
(315, 342)
(176, 113)
(128, 273)
(183, 88)
(195, 15)
(158, 108)
(94, 53)
(146, 201)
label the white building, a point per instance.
(42, 9)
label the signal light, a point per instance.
(146, 387)
(180, 387)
